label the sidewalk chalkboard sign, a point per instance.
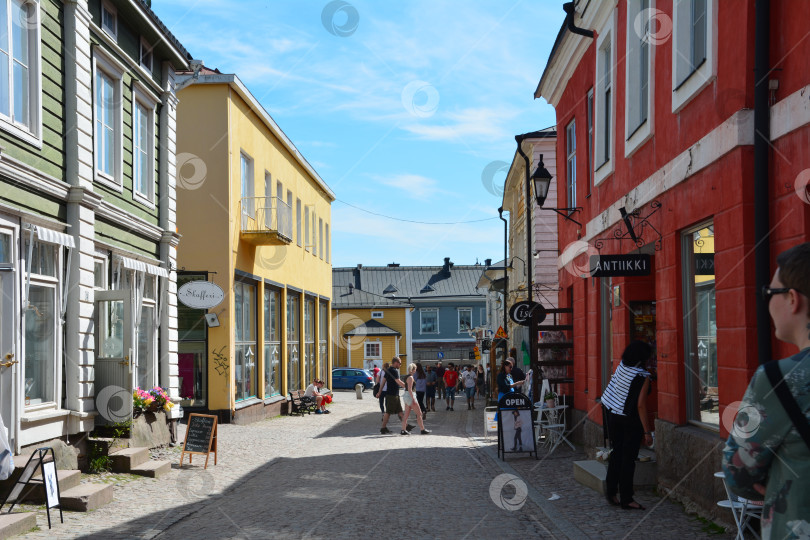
(201, 437)
(47, 468)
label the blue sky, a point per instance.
(401, 107)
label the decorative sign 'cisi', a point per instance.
(620, 265)
(200, 294)
(522, 312)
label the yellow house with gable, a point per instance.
(369, 328)
(255, 220)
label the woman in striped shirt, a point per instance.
(625, 399)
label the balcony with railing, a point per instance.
(266, 221)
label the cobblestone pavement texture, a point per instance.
(334, 476)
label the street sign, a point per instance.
(522, 312)
(500, 334)
(441, 355)
(637, 264)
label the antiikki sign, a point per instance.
(620, 265)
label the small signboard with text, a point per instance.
(515, 427)
(638, 264)
(201, 437)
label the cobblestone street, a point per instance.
(335, 476)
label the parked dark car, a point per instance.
(351, 378)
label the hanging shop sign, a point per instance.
(638, 264)
(522, 313)
(704, 264)
(200, 294)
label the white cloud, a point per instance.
(414, 185)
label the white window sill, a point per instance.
(50, 413)
(109, 181)
(21, 133)
(638, 138)
(147, 202)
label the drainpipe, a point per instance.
(762, 136)
(505, 273)
(529, 270)
(568, 7)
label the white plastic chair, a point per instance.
(743, 510)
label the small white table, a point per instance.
(551, 420)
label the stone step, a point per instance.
(592, 473)
(17, 523)
(67, 480)
(153, 468)
(86, 497)
(124, 460)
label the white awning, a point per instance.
(49, 235)
(140, 266)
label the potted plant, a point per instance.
(551, 399)
(152, 401)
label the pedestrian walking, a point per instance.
(411, 404)
(420, 387)
(479, 380)
(379, 384)
(625, 399)
(440, 386)
(430, 392)
(771, 463)
(469, 379)
(450, 382)
(392, 403)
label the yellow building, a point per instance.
(255, 220)
(369, 329)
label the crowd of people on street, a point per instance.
(422, 386)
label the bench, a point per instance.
(300, 404)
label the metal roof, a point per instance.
(413, 282)
(345, 297)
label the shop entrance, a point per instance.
(9, 359)
(115, 363)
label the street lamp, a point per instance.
(542, 181)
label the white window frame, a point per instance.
(372, 345)
(146, 52)
(298, 237)
(377, 315)
(571, 164)
(429, 310)
(141, 96)
(636, 136)
(247, 183)
(101, 258)
(56, 284)
(705, 73)
(31, 133)
(328, 246)
(604, 163)
(306, 227)
(112, 32)
(113, 69)
(465, 310)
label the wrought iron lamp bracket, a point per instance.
(633, 228)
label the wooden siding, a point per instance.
(120, 236)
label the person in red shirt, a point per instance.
(450, 382)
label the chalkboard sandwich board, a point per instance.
(201, 437)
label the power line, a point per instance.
(413, 220)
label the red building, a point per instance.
(656, 121)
